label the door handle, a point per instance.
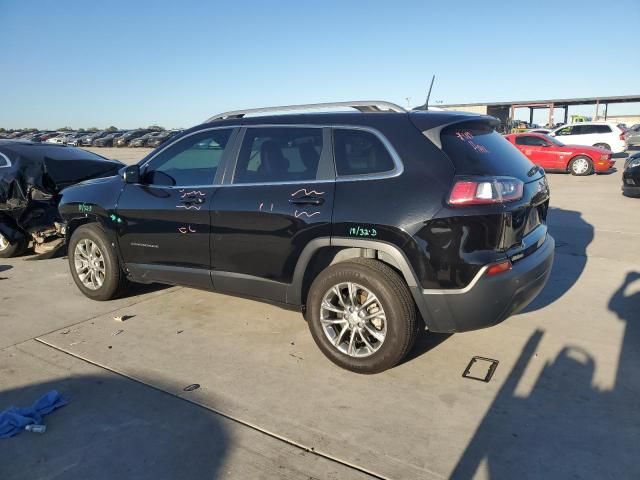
(192, 200)
(306, 201)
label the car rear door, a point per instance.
(276, 198)
(164, 222)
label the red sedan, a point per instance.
(551, 154)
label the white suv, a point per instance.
(597, 134)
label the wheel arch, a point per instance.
(323, 252)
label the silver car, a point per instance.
(632, 136)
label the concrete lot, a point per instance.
(563, 402)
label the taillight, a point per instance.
(481, 191)
(497, 268)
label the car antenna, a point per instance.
(426, 103)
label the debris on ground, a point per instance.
(179, 332)
(36, 428)
(16, 419)
(191, 388)
(117, 332)
(123, 318)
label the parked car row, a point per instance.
(141, 137)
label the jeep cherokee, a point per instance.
(376, 223)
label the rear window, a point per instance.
(475, 148)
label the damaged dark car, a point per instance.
(32, 175)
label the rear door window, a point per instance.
(475, 148)
(358, 152)
(279, 154)
(602, 129)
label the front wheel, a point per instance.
(9, 249)
(581, 166)
(362, 316)
(94, 265)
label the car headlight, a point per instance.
(604, 157)
(634, 163)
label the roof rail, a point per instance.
(362, 106)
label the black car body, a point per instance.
(31, 178)
(631, 176)
(269, 206)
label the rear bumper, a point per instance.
(488, 300)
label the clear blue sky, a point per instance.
(174, 63)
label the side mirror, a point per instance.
(132, 174)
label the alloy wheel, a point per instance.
(353, 319)
(90, 264)
(4, 243)
(580, 166)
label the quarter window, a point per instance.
(193, 160)
(358, 152)
(279, 154)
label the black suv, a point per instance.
(376, 222)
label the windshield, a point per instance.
(554, 140)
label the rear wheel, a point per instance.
(10, 249)
(362, 316)
(603, 145)
(94, 265)
(581, 166)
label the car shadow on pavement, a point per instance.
(114, 428)
(4, 268)
(425, 342)
(572, 235)
(565, 426)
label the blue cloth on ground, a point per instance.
(14, 419)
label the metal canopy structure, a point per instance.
(552, 104)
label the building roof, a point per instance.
(556, 101)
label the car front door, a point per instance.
(164, 222)
(277, 198)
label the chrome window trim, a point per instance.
(395, 172)
(6, 159)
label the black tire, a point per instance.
(402, 323)
(13, 249)
(115, 280)
(576, 162)
(606, 146)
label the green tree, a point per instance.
(155, 127)
(112, 129)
